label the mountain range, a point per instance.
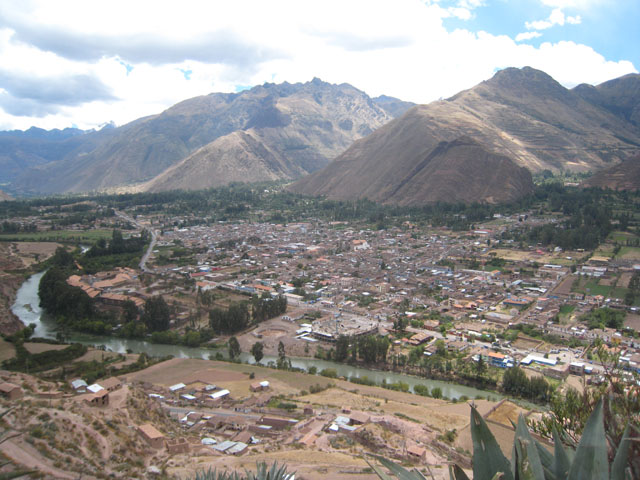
(268, 132)
(518, 118)
(479, 145)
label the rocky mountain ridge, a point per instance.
(303, 125)
(521, 114)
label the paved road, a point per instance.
(154, 239)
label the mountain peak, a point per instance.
(524, 79)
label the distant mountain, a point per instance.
(4, 196)
(620, 96)
(393, 106)
(221, 137)
(521, 114)
(623, 176)
(21, 150)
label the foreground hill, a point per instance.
(624, 176)
(283, 131)
(522, 114)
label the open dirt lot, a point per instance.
(526, 343)
(506, 413)
(559, 258)
(633, 321)
(185, 370)
(30, 251)
(42, 347)
(274, 331)
(315, 466)
(6, 350)
(624, 280)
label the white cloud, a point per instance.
(527, 36)
(400, 49)
(555, 18)
(578, 4)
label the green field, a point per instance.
(621, 237)
(629, 253)
(63, 236)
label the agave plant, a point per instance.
(275, 472)
(530, 460)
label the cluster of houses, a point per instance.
(111, 288)
(96, 394)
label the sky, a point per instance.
(86, 63)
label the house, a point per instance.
(152, 436)
(94, 388)
(178, 445)
(420, 338)
(11, 391)
(111, 384)
(219, 395)
(358, 418)
(258, 386)
(278, 423)
(79, 385)
(541, 360)
(418, 453)
(244, 436)
(576, 368)
(98, 399)
(177, 387)
(238, 449)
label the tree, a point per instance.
(342, 348)
(257, 350)
(129, 311)
(283, 364)
(62, 258)
(481, 367)
(156, 314)
(234, 348)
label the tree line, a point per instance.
(239, 315)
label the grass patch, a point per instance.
(74, 236)
(629, 253)
(567, 309)
(621, 237)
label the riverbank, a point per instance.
(10, 283)
(17, 262)
(45, 328)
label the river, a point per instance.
(27, 308)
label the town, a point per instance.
(458, 305)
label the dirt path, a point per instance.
(78, 424)
(24, 454)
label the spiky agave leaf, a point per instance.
(561, 460)
(526, 460)
(590, 462)
(622, 457)
(215, 475)
(274, 473)
(10, 475)
(488, 459)
(400, 472)
(456, 473)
